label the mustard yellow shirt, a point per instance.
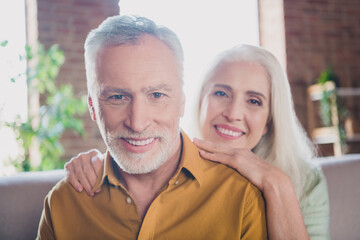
(203, 200)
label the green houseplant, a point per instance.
(325, 105)
(59, 110)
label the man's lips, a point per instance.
(137, 145)
(228, 132)
(139, 142)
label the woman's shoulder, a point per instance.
(315, 188)
(315, 203)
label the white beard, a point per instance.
(140, 163)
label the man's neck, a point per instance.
(144, 188)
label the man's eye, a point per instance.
(157, 95)
(117, 97)
(220, 93)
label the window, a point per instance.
(13, 95)
(205, 28)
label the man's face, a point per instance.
(140, 104)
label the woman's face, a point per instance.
(236, 105)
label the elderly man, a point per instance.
(154, 184)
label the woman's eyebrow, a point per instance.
(250, 92)
(256, 93)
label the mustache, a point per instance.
(128, 133)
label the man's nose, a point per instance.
(138, 116)
(234, 111)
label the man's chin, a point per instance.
(138, 163)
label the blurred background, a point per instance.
(43, 113)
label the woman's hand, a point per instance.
(248, 164)
(283, 213)
(82, 170)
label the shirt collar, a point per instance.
(108, 172)
(190, 160)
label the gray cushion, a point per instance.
(343, 180)
(21, 202)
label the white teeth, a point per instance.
(141, 142)
(229, 132)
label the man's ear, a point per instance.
(182, 110)
(91, 108)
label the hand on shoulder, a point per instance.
(259, 172)
(82, 170)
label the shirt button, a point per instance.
(177, 182)
(128, 200)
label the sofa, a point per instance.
(343, 180)
(21, 202)
(22, 195)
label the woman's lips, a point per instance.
(228, 132)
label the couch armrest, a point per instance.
(21, 202)
(343, 180)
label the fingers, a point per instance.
(92, 168)
(91, 163)
(80, 172)
(212, 147)
(82, 166)
(97, 163)
(215, 157)
(205, 145)
(70, 177)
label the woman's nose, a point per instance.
(234, 111)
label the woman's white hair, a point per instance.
(286, 144)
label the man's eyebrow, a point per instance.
(106, 90)
(227, 87)
(162, 86)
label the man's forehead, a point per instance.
(138, 68)
(141, 41)
(145, 89)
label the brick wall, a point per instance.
(315, 34)
(67, 22)
(306, 36)
(320, 33)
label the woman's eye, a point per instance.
(220, 93)
(256, 102)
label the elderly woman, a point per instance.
(248, 122)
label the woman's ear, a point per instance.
(91, 108)
(268, 126)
